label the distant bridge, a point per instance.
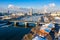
(37, 23)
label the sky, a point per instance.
(29, 3)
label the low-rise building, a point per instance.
(55, 14)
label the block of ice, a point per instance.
(47, 30)
(39, 38)
(51, 25)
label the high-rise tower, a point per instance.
(30, 11)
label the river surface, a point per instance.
(31, 18)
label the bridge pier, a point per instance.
(14, 23)
(25, 24)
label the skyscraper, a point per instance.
(30, 11)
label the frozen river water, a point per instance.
(32, 18)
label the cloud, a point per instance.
(49, 6)
(52, 5)
(45, 7)
(10, 6)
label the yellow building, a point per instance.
(55, 14)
